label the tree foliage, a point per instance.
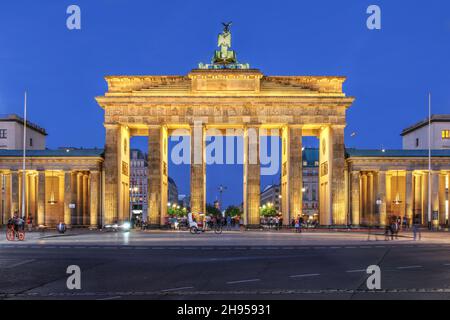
(268, 211)
(212, 210)
(233, 211)
(176, 212)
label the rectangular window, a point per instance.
(445, 134)
(417, 142)
(31, 142)
(3, 134)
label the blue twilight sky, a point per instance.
(389, 71)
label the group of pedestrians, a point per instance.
(396, 224)
(272, 222)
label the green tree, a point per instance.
(268, 211)
(212, 210)
(233, 211)
(177, 212)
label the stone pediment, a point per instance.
(226, 82)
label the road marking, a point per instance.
(110, 298)
(176, 289)
(243, 281)
(410, 267)
(305, 275)
(352, 271)
(446, 264)
(19, 263)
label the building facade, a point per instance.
(395, 183)
(11, 134)
(138, 183)
(60, 186)
(271, 196)
(311, 183)
(415, 137)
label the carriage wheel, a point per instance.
(10, 235)
(21, 236)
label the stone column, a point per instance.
(74, 196)
(252, 174)
(442, 219)
(79, 205)
(33, 196)
(425, 198)
(41, 198)
(355, 198)
(291, 176)
(94, 198)
(417, 198)
(409, 196)
(117, 173)
(434, 193)
(371, 204)
(198, 169)
(332, 163)
(67, 198)
(382, 196)
(388, 195)
(157, 175)
(14, 192)
(86, 213)
(7, 194)
(364, 197)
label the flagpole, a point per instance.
(429, 161)
(24, 154)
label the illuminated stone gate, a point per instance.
(244, 99)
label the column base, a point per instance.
(253, 227)
(153, 226)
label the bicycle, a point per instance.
(218, 229)
(12, 233)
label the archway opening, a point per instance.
(224, 169)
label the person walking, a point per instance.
(228, 223)
(30, 223)
(416, 232)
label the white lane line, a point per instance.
(305, 275)
(110, 298)
(176, 289)
(19, 263)
(353, 271)
(243, 281)
(410, 267)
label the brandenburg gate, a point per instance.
(220, 96)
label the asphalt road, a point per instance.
(37, 270)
